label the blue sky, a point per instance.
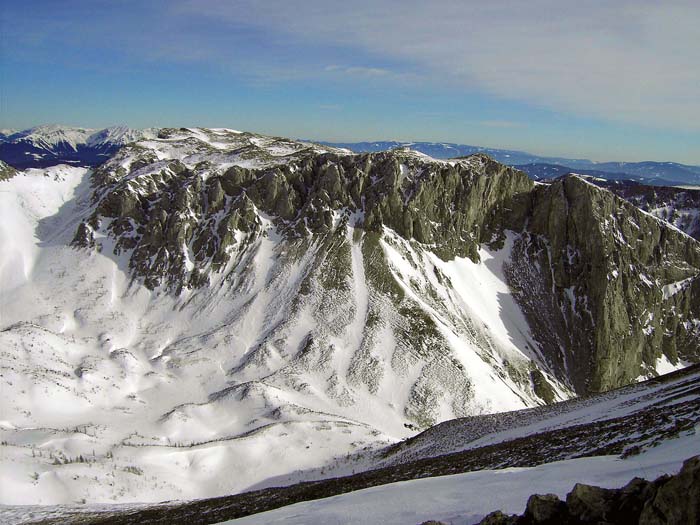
(598, 79)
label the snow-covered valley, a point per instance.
(117, 393)
(490, 462)
(91, 408)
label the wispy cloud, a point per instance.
(358, 70)
(596, 74)
(626, 61)
(501, 124)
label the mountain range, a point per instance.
(49, 145)
(541, 167)
(210, 311)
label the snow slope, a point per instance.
(643, 430)
(464, 499)
(480, 431)
(93, 405)
(118, 393)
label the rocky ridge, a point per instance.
(607, 289)
(678, 206)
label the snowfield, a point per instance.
(91, 409)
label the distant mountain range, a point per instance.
(50, 145)
(538, 167)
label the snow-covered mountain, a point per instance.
(52, 144)
(5, 133)
(441, 150)
(209, 301)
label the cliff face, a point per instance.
(606, 289)
(158, 208)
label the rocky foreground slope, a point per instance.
(669, 499)
(210, 301)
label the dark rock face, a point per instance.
(451, 208)
(498, 518)
(677, 500)
(590, 504)
(669, 500)
(546, 509)
(588, 271)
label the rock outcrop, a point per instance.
(607, 288)
(669, 500)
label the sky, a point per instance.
(605, 80)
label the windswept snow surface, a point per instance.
(476, 313)
(663, 443)
(464, 499)
(114, 393)
(27, 201)
(483, 291)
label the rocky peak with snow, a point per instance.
(53, 136)
(679, 206)
(606, 289)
